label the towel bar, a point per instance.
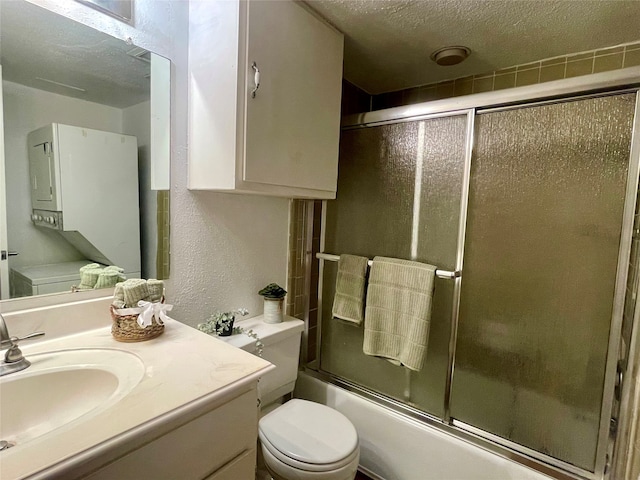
(439, 273)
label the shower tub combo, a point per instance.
(526, 200)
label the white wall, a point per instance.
(26, 109)
(224, 248)
(135, 121)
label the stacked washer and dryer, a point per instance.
(84, 185)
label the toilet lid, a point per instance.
(309, 432)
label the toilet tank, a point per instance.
(281, 348)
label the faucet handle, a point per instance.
(27, 337)
(13, 341)
(14, 354)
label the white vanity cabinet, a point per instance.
(282, 137)
(218, 445)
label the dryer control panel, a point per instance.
(46, 218)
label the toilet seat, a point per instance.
(309, 436)
(308, 467)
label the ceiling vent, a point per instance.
(448, 56)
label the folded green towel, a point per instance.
(89, 276)
(398, 311)
(134, 290)
(350, 282)
(93, 276)
(118, 295)
(156, 290)
(113, 268)
(108, 279)
(90, 266)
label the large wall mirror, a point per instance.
(72, 99)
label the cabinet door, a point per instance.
(293, 123)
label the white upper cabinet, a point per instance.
(281, 138)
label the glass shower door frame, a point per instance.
(604, 445)
(563, 90)
(457, 287)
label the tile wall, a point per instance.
(163, 253)
(303, 275)
(557, 68)
(295, 303)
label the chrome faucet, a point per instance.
(13, 361)
(4, 333)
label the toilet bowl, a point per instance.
(305, 440)
(299, 440)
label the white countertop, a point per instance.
(184, 370)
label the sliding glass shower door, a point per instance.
(519, 346)
(544, 225)
(399, 194)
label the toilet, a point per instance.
(299, 440)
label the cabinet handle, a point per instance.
(256, 79)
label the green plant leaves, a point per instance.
(273, 290)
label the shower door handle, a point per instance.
(619, 379)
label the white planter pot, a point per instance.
(273, 310)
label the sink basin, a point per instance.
(64, 387)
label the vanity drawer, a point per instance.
(196, 449)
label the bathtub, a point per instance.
(395, 447)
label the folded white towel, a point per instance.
(398, 311)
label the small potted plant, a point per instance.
(273, 302)
(221, 323)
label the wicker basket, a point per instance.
(125, 328)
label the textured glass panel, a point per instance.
(399, 190)
(543, 230)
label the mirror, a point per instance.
(56, 71)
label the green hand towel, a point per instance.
(350, 282)
(398, 311)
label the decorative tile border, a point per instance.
(163, 254)
(557, 68)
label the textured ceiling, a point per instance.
(37, 43)
(388, 42)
